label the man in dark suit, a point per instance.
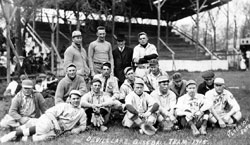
(122, 58)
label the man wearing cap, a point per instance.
(100, 51)
(166, 100)
(225, 109)
(207, 84)
(178, 85)
(128, 85)
(70, 82)
(140, 106)
(122, 58)
(64, 117)
(109, 82)
(14, 86)
(154, 72)
(97, 105)
(76, 54)
(143, 52)
(25, 106)
(192, 109)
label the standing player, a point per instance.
(56, 120)
(143, 52)
(225, 109)
(192, 109)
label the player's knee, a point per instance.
(237, 116)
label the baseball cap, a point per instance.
(191, 82)
(27, 83)
(107, 64)
(71, 65)
(23, 77)
(139, 81)
(177, 76)
(76, 92)
(76, 33)
(42, 75)
(96, 80)
(208, 75)
(127, 69)
(219, 81)
(163, 78)
(153, 62)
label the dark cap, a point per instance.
(127, 69)
(71, 65)
(208, 74)
(120, 37)
(177, 76)
(106, 64)
(153, 62)
(191, 82)
(100, 28)
(96, 80)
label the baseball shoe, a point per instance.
(195, 130)
(203, 130)
(8, 137)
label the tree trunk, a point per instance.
(18, 35)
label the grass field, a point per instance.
(237, 82)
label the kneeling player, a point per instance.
(56, 120)
(141, 108)
(225, 109)
(192, 109)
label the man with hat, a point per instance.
(100, 51)
(122, 58)
(143, 52)
(207, 84)
(20, 68)
(70, 82)
(154, 72)
(192, 109)
(128, 84)
(26, 105)
(166, 100)
(109, 82)
(14, 86)
(76, 54)
(140, 106)
(225, 109)
(64, 117)
(178, 85)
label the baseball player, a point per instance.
(98, 105)
(56, 120)
(192, 109)
(225, 109)
(140, 106)
(166, 100)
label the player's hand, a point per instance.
(75, 131)
(222, 123)
(226, 118)
(57, 131)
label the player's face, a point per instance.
(106, 71)
(164, 86)
(143, 39)
(27, 91)
(219, 88)
(138, 88)
(130, 75)
(121, 44)
(191, 90)
(96, 87)
(75, 100)
(154, 69)
(209, 81)
(178, 82)
(101, 35)
(71, 72)
(77, 39)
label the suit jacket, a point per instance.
(121, 61)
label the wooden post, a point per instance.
(57, 28)
(113, 22)
(129, 27)
(8, 53)
(52, 50)
(158, 25)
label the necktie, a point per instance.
(105, 84)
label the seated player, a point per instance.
(140, 106)
(57, 120)
(225, 109)
(193, 110)
(166, 100)
(97, 105)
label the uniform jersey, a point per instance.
(220, 101)
(198, 103)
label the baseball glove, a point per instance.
(167, 125)
(148, 129)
